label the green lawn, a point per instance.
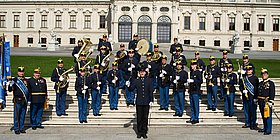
(48, 63)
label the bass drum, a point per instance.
(144, 46)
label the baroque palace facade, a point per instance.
(28, 23)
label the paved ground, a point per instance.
(66, 51)
(189, 133)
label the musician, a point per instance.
(149, 65)
(266, 95)
(245, 63)
(81, 64)
(144, 100)
(21, 98)
(113, 79)
(164, 82)
(200, 63)
(81, 87)
(133, 45)
(130, 69)
(211, 74)
(194, 82)
(173, 47)
(223, 68)
(156, 58)
(37, 86)
(77, 49)
(106, 43)
(95, 84)
(248, 85)
(100, 60)
(229, 91)
(179, 79)
(121, 55)
(178, 57)
(57, 77)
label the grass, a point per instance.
(48, 63)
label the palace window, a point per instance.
(232, 23)
(201, 23)
(164, 9)
(58, 40)
(30, 22)
(16, 21)
(44, 21)
(187, 21)
(125, 8)
(72, 40)
(30, 40)
(217, 43)
(2, 21)
(187, 42)
(58, 21)
(246, 45)
(87, 22)
(261, 24)
(72, 21)
(260, 43)
(246, 24)
(201, 42)
(217, 23)
(275, 24)
(102, 21)
(144, 9)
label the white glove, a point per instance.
(177, 77)
(223, 80)
(159, 55)
(125, 52)
(113, 81)
(61, 78)
(103, 64)
(227, 80)
(84, 91)
(243, 71)
(98, 88)
(68, 80)
(108, 59)
(161, 75)
(270, 104)
(127, 83)
(76, 55)
(11, 83)
(206, 76)
(136, 49)
(256, 101)
(190, 80)
(85, 87)
(132, 66)
(200, 69)
(245, 91)
(147, 70)
(210, 77)
(149, 66)
(90, 50)
(164, 72)
(98, 83)
(29, 103)
(174, 64)
(116, 78)
(222, 69)
(129, 69)
(175, 81)
(151, 103)
(225, 69)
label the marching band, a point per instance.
(141, 80)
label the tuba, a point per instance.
(62, 84)
(121, 56)
(106, 62)
(156, 57)
(86, 48)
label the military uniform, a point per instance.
(60, 92)
(266, 95)
(103, 70)
(105, 43)
(81, 87)
(223, 68)
(176, 57)
(211, 74)
(179, 79)
(76, 51)
(173, 47)
(130, 68)
(144, 98)
(164, 81)
(244, 65)
(95, 84)
(229, 92)
(81, 64)
(133, 45)
(38, 89)
(21, 97)
(194, 82)
(113, 79)
(156, 58)
(150, 66)
(200, 63)
(249, 88)
(121, 55)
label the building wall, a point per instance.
(177, 10)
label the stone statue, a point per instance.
(53, 35)
(235, 39)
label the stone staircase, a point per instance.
(126, 116)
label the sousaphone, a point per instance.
(143, 46)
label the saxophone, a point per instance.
(62, 84)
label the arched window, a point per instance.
(144, 9)
(144, 27)
(163, 29)
(125, 28)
